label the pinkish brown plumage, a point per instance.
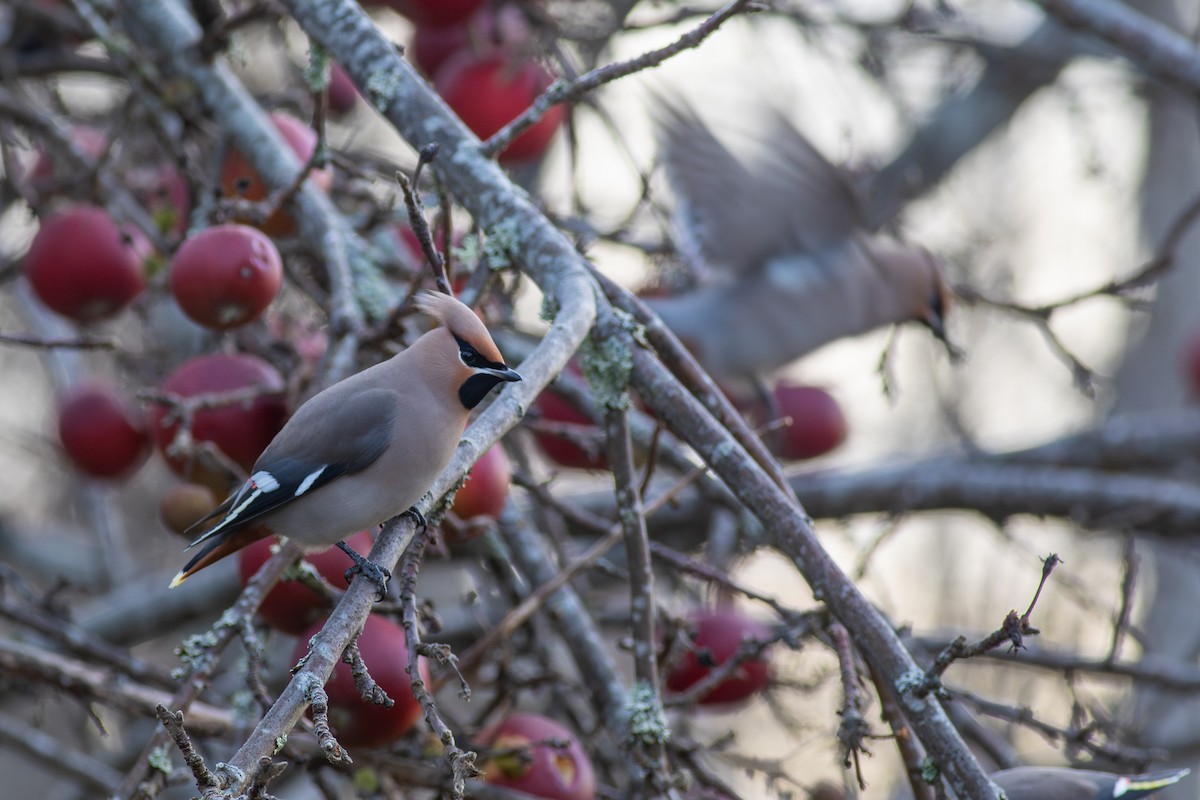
(366, 448)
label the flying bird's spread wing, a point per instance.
(825, 210)
(743, 212)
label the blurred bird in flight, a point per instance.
(787, 260)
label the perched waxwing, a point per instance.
(366, 448)
(787, 262)
(1060, 783)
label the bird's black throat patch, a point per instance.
(475, 388)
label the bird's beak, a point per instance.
(504, 374)
(937, 325)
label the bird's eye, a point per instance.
(468, 356)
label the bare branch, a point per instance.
(1156, 48)
(569, 91)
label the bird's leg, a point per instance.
(374, 573)
(416, 514)
(770, 406)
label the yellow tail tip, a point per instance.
(178, 579)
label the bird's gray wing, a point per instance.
(741, 212)
(321, 443)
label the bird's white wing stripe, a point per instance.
(307, 483)
(262, 481)
(265, 481)
(1121, 787)
(239, 508)
(230, 517)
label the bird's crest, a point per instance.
(460, 319)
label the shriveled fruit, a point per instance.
(526, 760)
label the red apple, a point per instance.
(100, 433)
(291, 606)
(355, 722)
(716, 637)
(817, 422)
(486, 489)
(239, 179)
(433, 45)
(226, 276)
(45, 175)
(489, 92)
(185, 504)
(343, 94)
(436, 12)
(83, 266)
(537, 768)
(487, 32)
(241, 430)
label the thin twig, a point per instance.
(461, 762)
(569, 91)
(172, 722)
(648, 730)
(417, 221)
(368, 689)
(854, 729)
(82, 343)
(318, 702)
(1128, 583)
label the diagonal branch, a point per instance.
(568, 91)
(1151, 45)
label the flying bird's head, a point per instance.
(935, 301)
(916, 278)
(463, 349)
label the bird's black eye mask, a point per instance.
(470, 356)
(476, 387)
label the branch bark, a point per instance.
(1156, 48)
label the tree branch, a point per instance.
(1151, 45)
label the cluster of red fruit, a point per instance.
(84, 266)
(87, 266)
(477, 58)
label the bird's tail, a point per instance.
(218, 547)
(1142, 785)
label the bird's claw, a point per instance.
(416, 514)
(374, 573)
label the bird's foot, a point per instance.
(416, 514)
(374, 573)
